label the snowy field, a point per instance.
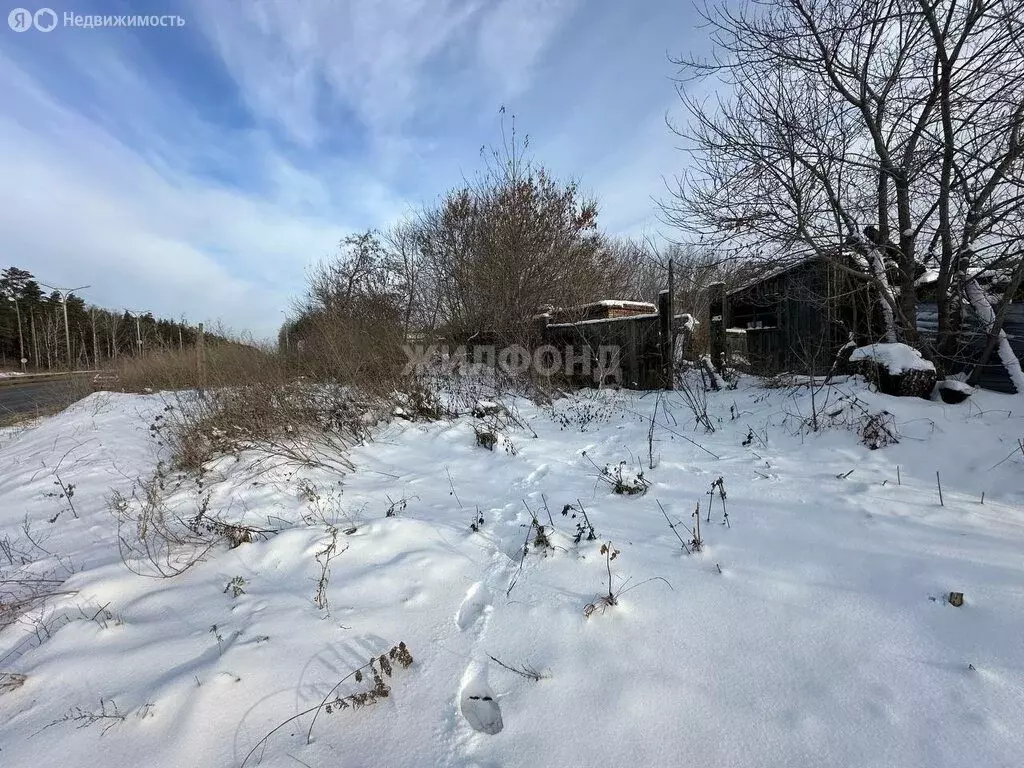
(812, 630)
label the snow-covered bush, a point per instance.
(420, 402)
(492, 439)
(624, 480)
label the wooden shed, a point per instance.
(796, 317)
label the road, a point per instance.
(18, 399)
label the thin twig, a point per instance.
(522, 559)
(526, 672)
(670, 525)
(452, 486)
(550, 520)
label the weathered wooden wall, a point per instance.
(637, 338)
(806, 314)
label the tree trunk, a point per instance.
(996, 336)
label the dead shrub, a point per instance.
(298, 422)
(380, 670)
(417, 400)
(877, 430)
(11, 681)
(225, 364)
(156, 541)
(693, 385)
(624, 481)
(30, 575)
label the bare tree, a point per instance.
(513, 240)
(885, 135)
(404, 260)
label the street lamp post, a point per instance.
(21, 338)
(287, 343)
(138, 329)
(64, 293)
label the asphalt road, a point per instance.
(16, 399)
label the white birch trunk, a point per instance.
(873, 265)
(983, 307)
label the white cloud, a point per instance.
(514, 35)
(77, 206)
(293, 59)
(125, 183)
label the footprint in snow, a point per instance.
(537, 474)
(477, 702)
(474, 604)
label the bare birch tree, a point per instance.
(883, 134)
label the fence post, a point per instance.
(665, 337)
(716, 324)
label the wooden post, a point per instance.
(671, 324)
(665, 337)
(95, 343)
(716, 323)
(201, 358)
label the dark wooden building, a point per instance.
(796, 318)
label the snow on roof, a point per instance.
(637, 306)
(773, 273)
(616, 304)
(626, 318)
(895, 357)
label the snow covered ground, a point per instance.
(813, 630)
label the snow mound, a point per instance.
(894, 356)
(815, 625)
(956, 386)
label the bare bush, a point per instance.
(621, 479)
(693, 386)
(381, 669)
(223, 364)
(30, 574)
(152, 540)
(156, 541)
(877, 430)
(297, 422)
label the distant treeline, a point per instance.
(96, 335)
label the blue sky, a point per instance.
(199, 170)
